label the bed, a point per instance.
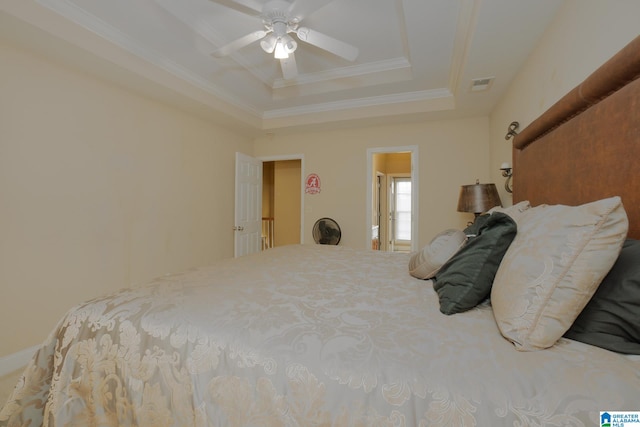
(317, 335)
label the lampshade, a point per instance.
(478, 198)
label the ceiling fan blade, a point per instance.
(337, 47)
(249, 7)
(302, 8)
(239, 43)
(289, 67)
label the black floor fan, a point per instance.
(326, 232)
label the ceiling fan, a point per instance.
(280, 18)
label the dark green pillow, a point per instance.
(466, 279)
(611, 319)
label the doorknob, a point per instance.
(238, 228)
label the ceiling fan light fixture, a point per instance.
(281, 51)
(268, 43)
(284, 46)
(290, 44)
(279, 18)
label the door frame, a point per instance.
(285, 157)
(391, 203)
(380, 190)
(413, 149)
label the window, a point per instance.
(401, 213)
(403, 208)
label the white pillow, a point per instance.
(516, 211)
(553, 267)
(426, 263)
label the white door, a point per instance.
(248, 209)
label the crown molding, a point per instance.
(350, 104)
(344, 72)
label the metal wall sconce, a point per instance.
(511, 130)
(507, 172)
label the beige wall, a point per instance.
(451, 153)
(583, 35)
(99, 189)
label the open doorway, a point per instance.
(281, 202)
(399, 212)
(392, 198)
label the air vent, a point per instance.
(479, 85)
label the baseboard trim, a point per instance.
(15, 361)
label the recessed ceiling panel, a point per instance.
(413, 55)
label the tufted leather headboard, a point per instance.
(587, 146)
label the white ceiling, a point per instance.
(417, 58)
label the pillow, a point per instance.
(465, 280)
(611, 319)
(514, 211)
(426, 263)
(553, 267)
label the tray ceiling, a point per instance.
(417, 59)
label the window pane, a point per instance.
(403, 209)
(403, 226)
(403, 203)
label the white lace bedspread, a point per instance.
(306, 336)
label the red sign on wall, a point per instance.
(312, 185)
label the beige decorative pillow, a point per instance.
(426, 263)
(516, 211)
(553, 267)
